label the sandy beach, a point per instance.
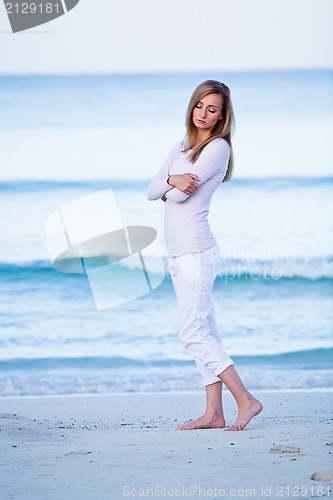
(126, 445)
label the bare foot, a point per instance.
(245, 414)
(204, 422)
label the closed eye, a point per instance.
(211, 110)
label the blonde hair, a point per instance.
(223, 128)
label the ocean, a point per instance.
(273, 224)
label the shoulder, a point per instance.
(173, 153)
(217, 150)
(179, 147)
(176, 149)
(218, 145)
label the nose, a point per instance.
(203, 112)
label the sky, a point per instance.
(108, 36)
(153, 36)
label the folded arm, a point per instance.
(213, 159)
(184, 184)
(159, 186)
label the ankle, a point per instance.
(245, 401)
(214, 412)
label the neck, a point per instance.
(200, 137)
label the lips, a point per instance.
(200, 121)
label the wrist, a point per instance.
(169, 180)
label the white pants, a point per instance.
(193, 276)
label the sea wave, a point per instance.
(321, 358)
(280, 267)
(151, 379)
(274, 269)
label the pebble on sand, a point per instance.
(322, 475)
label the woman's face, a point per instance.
(207, 112)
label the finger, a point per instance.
(194, 176)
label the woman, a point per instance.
(186, 182)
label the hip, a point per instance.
(195, 266)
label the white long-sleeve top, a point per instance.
(186, 227)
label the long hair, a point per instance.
(223, 128)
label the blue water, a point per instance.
(274, 290)
(95, 101)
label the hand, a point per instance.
(184, 182)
